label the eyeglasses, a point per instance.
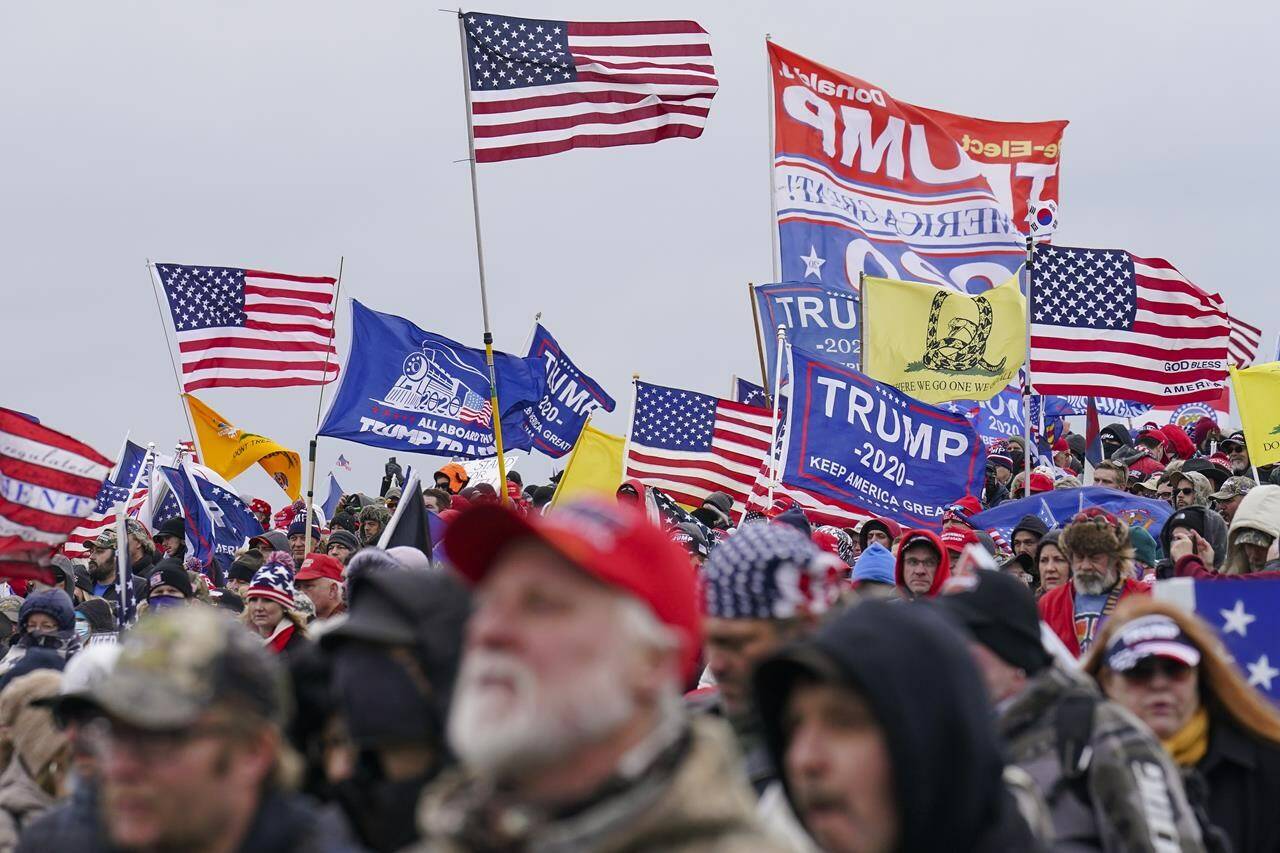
(1148, 668)
(917, 563)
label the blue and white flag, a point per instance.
(854, 440)
(1245, 613)
(418, 392)
(1059, 506)
(330, 505)
(555, 422)
(232, 522)
(816, 317)
(995, 420)
(197, 522)
(1058, 407)
(748, 392)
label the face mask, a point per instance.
(82, 627)
(164, 602)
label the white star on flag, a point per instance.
(813, 263)
(1261, 672)
(1237, 619)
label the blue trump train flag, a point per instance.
(817, 318)
(419, 392)
(852, 439)
(555, 422)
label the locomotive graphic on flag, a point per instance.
(427, 384)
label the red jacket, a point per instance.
(1058, 609)
(939, 577)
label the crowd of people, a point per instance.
(624, 674)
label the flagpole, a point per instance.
(773, 201)
(777, 400)
(496, 413)
(1028, 387)
(755, 313)
(177, 378)
(324, 376)
(626, 444)
(1235, 389)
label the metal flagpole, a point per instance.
(496, 413)
(755, 313)
(1028, 387)
(177, 378)
(773, 201)
(777, 399)
(311, 451)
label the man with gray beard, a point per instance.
(567, 716)
(1097, 545)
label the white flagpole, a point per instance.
(173, 361)
(777, 399)
(776, 258)
(496, 412)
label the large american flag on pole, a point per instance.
(1107, 323)
(540, 87)
(1243, 342)
(48, 482)
(243, 328)
(690, 444)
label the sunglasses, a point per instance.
(1149, 668)
(1186, 491)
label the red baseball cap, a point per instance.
(956, 538)
(613, 543)
(319, 566)
(1041, 482)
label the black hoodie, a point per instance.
(914, 670)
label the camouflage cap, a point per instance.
(10, 606)
(375, 512)
(1233, 487)
(106, 539)
(174, 666)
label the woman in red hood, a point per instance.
(922, 565)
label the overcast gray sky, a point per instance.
(281, 135)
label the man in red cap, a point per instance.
(320, 579)
(567, 713)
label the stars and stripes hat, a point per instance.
(769, 571)
(274, 582)
(1150, 636)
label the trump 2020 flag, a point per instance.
(864, 183)
(418, 392)
(854, 440)
(1246, 615)
(937, 345)
(816, 317)
(555, 423)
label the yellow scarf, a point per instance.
(1191, 742)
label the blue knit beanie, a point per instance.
(875, 565)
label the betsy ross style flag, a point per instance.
(691, 444)
(540, 87)
(240, 328)
(1107, 323)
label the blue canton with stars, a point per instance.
(1083, 288)
(1244, 613)
(203, 297)
(515, 53)
(673, 419)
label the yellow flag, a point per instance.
(936, 344)
(1258, 396)
(594, 468)
(230, 450)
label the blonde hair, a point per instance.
(1223, 690)
(298, 620)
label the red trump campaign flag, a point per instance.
(539, 87)
(48, 483)
(239, 328)
(1109, 324)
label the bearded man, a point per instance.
(103, 566)
(1097, 546)
(567, 714)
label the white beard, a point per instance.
(1095, 584)
(496, 730)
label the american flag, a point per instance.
(133, 466)
(343, 463)
(1244, 341)
(1107, 323)
(476, 409)
(690, 445)
(243, 328)
(48, 482)
(818, 509)
(539, 87)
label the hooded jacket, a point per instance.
(912, 668)
(1031, 523)
(1178, 442)
(1259, 510)
(1116, 436)
(939, 577)
(1202, 520)
(1200, 483)
(457, 475)
(886, 524)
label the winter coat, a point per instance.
(21, 801)
(913, 670)
(1207, 522)
(1115, 436)
(1057, 609)
(939, 577)
(886, 524)
(68, 825)
(1243, 775)
(1104, 807)
(700, 805)
(1179, 443)
(1259, 510)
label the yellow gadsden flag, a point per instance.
(1258, 396)
(229, 450)
(594, 468)
(936, 344)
